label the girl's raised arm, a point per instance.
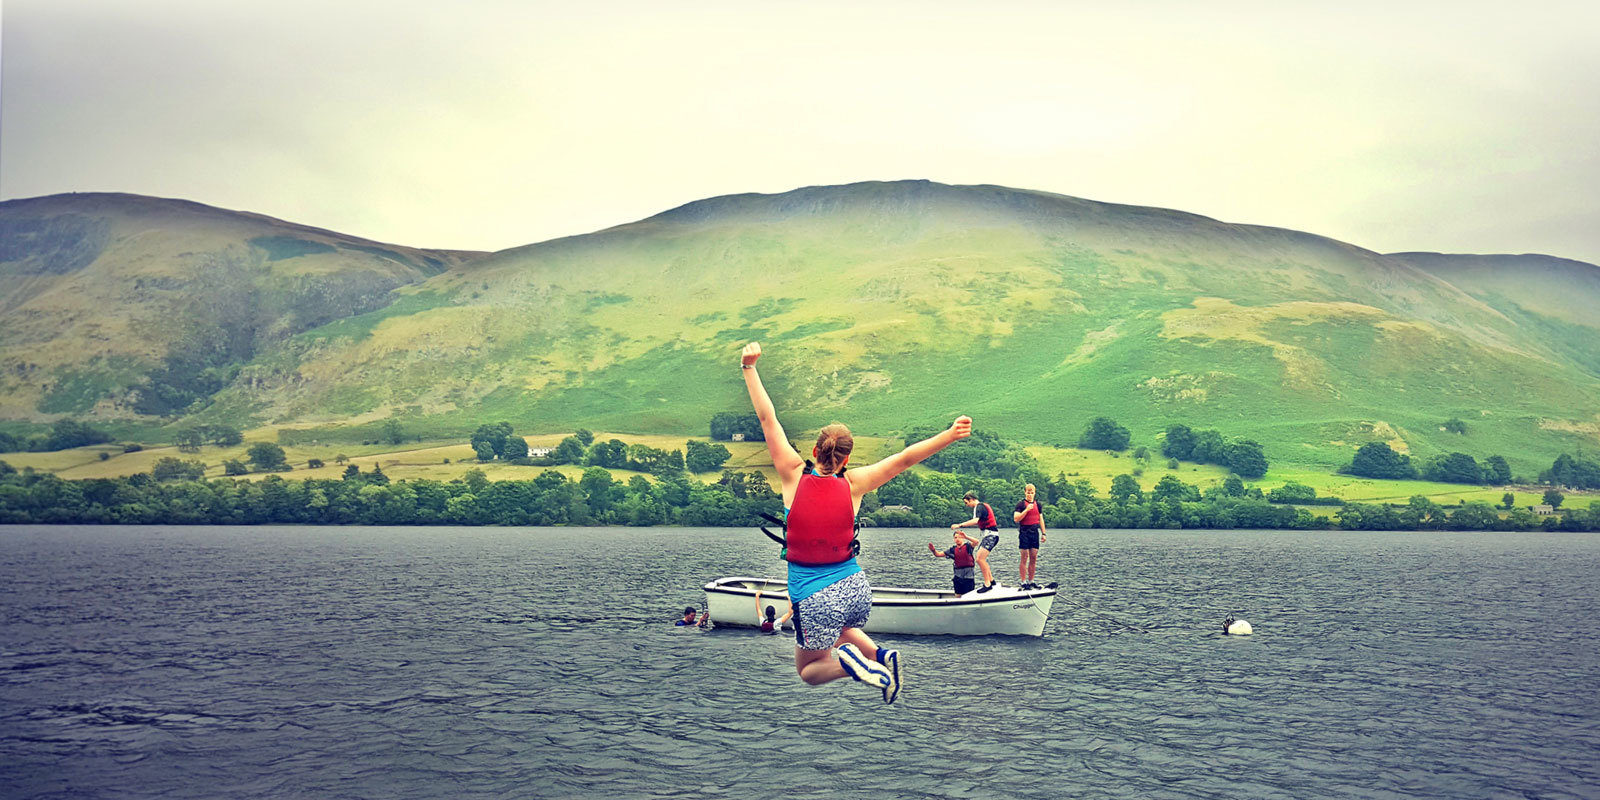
(784, 458)
(865, 479)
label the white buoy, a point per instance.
(1236, 627)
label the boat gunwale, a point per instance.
(941, 602)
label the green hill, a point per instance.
(103, 293)
(887, 305)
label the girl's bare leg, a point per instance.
(859, 638)
(817, 667)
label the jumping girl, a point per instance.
(828, 591)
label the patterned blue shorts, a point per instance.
(822, 617)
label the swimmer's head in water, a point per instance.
(832, 452)
(688, 611)
(772, 613)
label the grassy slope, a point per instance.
(891, 305)
(96, 289)
(888, 305)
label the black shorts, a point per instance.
(1028, 537)
(990, 541)
(963, 585)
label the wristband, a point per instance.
(747, 366)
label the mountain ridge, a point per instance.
(1001, 301)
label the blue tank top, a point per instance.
(805, 581)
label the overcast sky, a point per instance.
(485, 124)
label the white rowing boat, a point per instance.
(1003, 610)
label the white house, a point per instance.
(738, 437)
(539, 452)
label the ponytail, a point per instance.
(834, 444)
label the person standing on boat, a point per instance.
(828, 591)
(982, 517)
(961, 554)
(1030, 532)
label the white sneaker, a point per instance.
(891, 664)
(862, 668)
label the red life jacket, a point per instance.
(962, 553)
(822, 521)
(985, 517)
(1031, 516)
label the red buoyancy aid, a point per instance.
(822, 521)
(1031, 516)
(962, 553)
(985, 516)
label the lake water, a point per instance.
(491, 662)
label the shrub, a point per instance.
(1292, 492)
(1179, 442)
(701, 456)
(1579, 473)
(267, 457)
(67, 433)
(725, 424)
(1246, 459)
(1378, 460)
(1454, 468)
(171, 469)
(1103, 433)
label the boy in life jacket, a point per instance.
(983, 518)
(961, 554)
(1030, 532)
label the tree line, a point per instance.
(934, 499)
(64, 434)
(370, 498)
(1379, 460)
(497, 441)
(735, 499)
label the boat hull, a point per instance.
(1004, 610)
